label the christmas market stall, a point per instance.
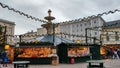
(75, 53)
(36, 53)
(107, 50)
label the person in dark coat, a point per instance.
(118, 52)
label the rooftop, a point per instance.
(112, 24)
(6, 21)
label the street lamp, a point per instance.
(86, 29)
(86, 35)
(116, 36)
(100, 39)
(3, 34)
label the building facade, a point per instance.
(111, 32)
(79, 28)
(10, 26)
(28, 36)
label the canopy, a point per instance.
(52, 39)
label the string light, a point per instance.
(76, 20)
(21, 13)
(93, 16)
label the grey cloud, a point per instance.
(61, 9)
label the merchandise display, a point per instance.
(104, 49)
(36, 52)
(78, 51)
(11, 54)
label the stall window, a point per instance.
(78, 51)
(36, 52)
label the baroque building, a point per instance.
(111, 33)
(79, 27)
(10, 26)
(28, 36)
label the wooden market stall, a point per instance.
(77, 52)
(36, 53)
(108, 48)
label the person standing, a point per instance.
(5, 58)
(118, 52)
(115, 56)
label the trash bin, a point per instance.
(72, 60)
(55, 60)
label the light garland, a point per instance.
(21, 13)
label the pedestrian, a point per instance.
(118, 52)
(115, 56)
(109, 53)
(5, 58)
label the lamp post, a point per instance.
(86, 35)
(54, 33)
(100, 39)
(94, 40)
(3, 33)
(116, 36)
(20, 38)
(3, 39)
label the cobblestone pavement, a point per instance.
(109, 63)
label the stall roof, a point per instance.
(52, 39)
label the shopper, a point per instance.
(110, 53)
(5, 58)
(118, 52)
(115, 56)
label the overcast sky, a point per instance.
(62, 10)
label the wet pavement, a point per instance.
(109, 63)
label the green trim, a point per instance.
(35, 44)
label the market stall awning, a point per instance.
(52, 39)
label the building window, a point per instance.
(116, 36)
(107, 35)
(81, 25)
(77, 25)
(89, 23)
(81, 30)
(95, 33)
(65, 36)
(77, 30)
(95, 21)
(90, 34)
(85, 24)
(73, 31)
(73, 26)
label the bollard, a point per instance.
(72, 61)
